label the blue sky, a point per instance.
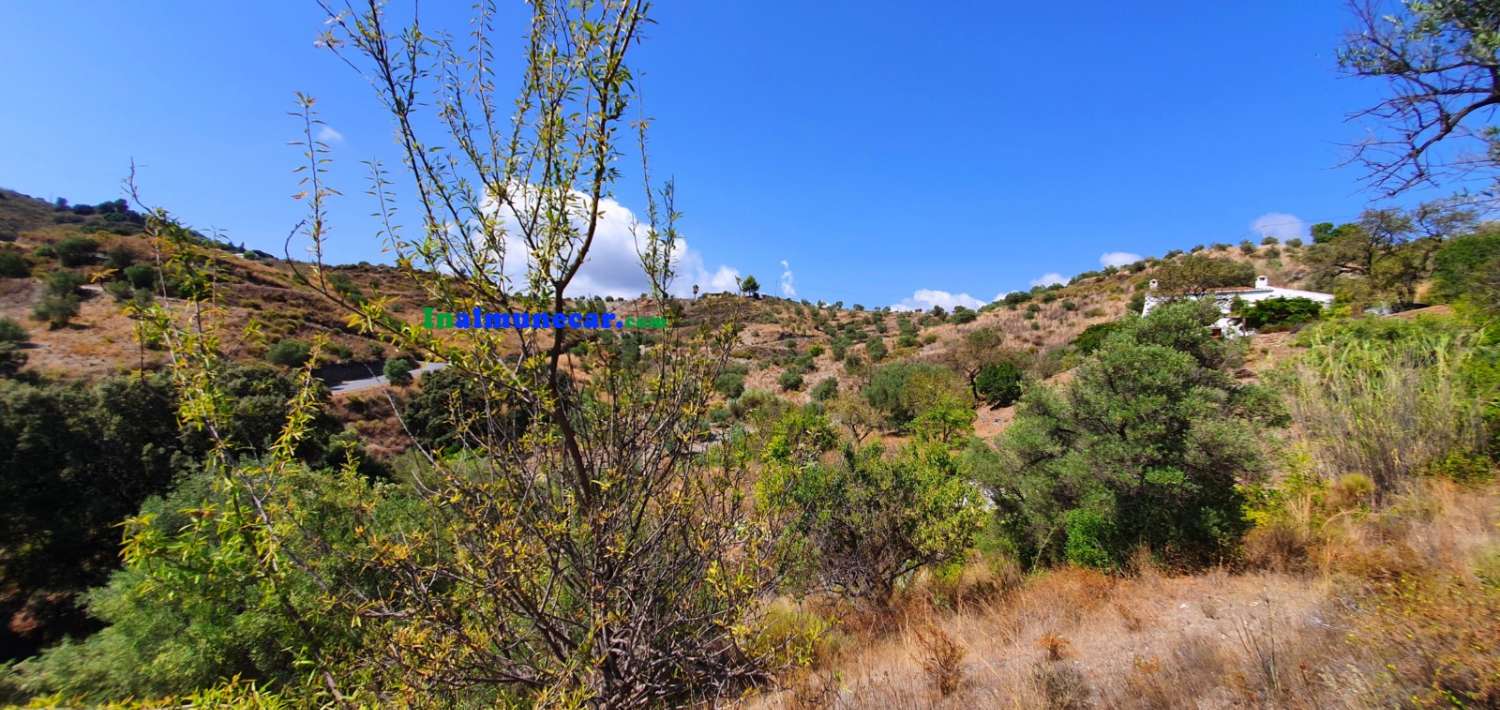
(879, 149)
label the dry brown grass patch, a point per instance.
(1056, 647)
(942, 658)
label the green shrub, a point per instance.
(1091, 538)
(946, 422)
(192, 606)
(1463, 466)
(730, 384)
(76, 251)
(790, 380)
(999, 384)
(839, 347)
(11, 331)
(119, 290)
(875, 349)
(13, 264)
(140, 275)
(826, 389)
(1146, 446)
(1274, 312)
(1197, 273)
(397, 371)
(868, 521)
(63, 283)
(119, 256)
(1093, 337)
(902, 390)
(963, 315)
(12, 358)
(289, 353)
(58, 311)
(1461, 268)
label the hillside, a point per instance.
(262, 290)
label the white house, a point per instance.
(1225, 298)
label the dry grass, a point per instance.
(1130, 618)
(1381, 609)
(942, 658)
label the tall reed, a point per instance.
(1385, 406)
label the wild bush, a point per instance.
(13, 264)
(999, 384)
(1462, 265)
(170, 628)
(119, 291)
(826, 389)
(141, 276)
(63, 283)
(790, 380)
(1196, 274)
(903, 390)
(57, 311)
(398, 370)
(11, 331)
(867, 521)
(730, 384)
(289, 353)
(76, 251)
(1279, 312)
(1145, 447)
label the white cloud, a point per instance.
(1280, 225)
(1118, 258)
(1048, 279)
(788, 286)
(328, 135)
(926, 298)
(613, 265)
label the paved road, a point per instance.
(380, 381)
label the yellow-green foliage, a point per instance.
(232, 694)
(790, 635)
(1388, 399)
